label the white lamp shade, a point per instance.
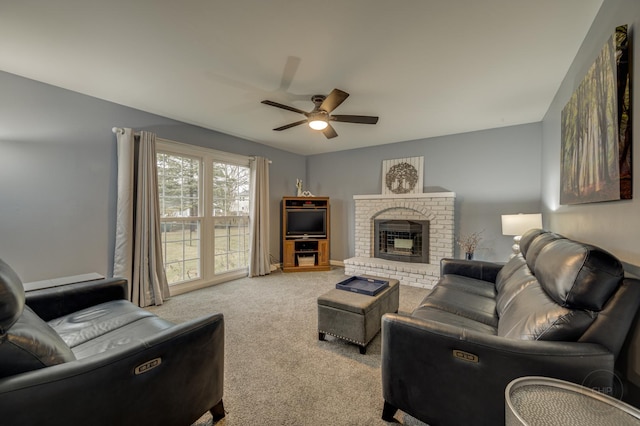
(518, 224)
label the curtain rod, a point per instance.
(120, 130)
(253, 158)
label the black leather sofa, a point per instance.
(560, 309)
(80, 354)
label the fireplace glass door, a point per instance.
(402, 240)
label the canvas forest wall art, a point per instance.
(596, 130)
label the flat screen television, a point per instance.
(306, 222)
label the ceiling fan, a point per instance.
(320, 116)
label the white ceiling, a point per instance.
(425, 67)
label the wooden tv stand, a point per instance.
(305, 253)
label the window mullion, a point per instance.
(207, 221)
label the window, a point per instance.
(204, 207)
(179, 197)
(231, 216)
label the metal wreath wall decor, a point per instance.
(402, 176)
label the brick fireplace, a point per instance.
(435, 209)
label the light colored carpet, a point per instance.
(277, 372)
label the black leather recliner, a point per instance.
(81, 354)
(561, 309)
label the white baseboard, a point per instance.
(340, 263)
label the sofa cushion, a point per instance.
(91, 323)
(462, 303)
(533, 315)
(30, 344)
(431, 313)
(577, 275)
(468, 284)
(11, 297)
(130, 334)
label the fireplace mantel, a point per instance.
(406, 196)
(435, 207)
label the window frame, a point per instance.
(207, 249)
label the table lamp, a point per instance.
(518, 224)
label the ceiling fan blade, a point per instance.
(330, 132)
(290, 69)
(361, 119)
(333, 101)
(290, 125)
(277, 105)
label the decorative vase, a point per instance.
(299, 187)
(468, 255)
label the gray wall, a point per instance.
(58, 176)
(612, 225)
(492, 172)
(58, 173)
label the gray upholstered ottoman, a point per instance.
(356, 317)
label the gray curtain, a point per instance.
(138, 248)
(259, 218)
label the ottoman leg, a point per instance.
(388, 412)
(320, 335)
(363, 349)
(217, 412)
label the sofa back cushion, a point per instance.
(554, 290)
(517, 282)
(31, 344)
(536, 246)
(533, 315)
(515, 275)
(576, 275)
(514, 264)
(26, 341)
(527, 238)
(11, 297)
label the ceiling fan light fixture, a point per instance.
(319, 118)
(318, 124)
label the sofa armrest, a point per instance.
(478, 269)
(440, 362)
(170, 378)
(54, 302)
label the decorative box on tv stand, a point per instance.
(306, 260)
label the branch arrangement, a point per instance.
(469, 242)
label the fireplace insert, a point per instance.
(402, 240)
